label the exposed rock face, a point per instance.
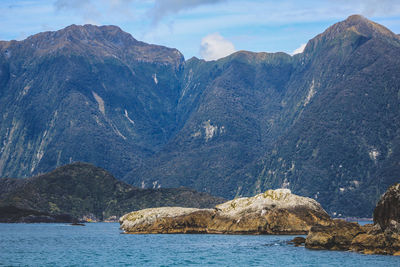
(341, 235)
(336, 236)
(387, 212)
(376, 241)
(381, 238)
(273, 212)
(166, 220)
(297, 241)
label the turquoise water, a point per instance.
(102, 244)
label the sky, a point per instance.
(208, 29)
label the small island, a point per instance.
(273, 212)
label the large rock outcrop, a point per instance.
(381, 238)
(387, 212)
(336, 236)
(273, 212)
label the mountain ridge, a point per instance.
(322, 122)
(108, 40)
(357, 25)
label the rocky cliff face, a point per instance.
(273, 212)
(323, 123)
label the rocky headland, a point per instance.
(382, 237)
(273, 212)
(84, 192)
(12, 214)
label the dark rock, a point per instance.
(297, 241)
(336, 236)
(77, 224)
(375, 242)
(381, 238)
(387, 212)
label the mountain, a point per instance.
(343, 141)
(232, 102)
(84, 93)
(82, 191)
(323, 123)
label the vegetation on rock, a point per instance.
(323, 123)
(86, 192)
(261, 214)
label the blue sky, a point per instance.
(203, 28)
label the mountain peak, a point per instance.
(354, 25)
(359, 24)
(98, 41)
(365, 26)
(357, 18)
(83, 33)
(89, 31)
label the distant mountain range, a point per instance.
(324, 123)
(81, 191)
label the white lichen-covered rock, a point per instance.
(149, 216)
(278, 199)
(273, 212)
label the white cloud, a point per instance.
(214, 46)
(373, 7)
(164, 8)
(85, 8)
(299, 49)
(156, 9)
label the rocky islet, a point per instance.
(279, 212)
(273, 212)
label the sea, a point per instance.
(104, 244)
